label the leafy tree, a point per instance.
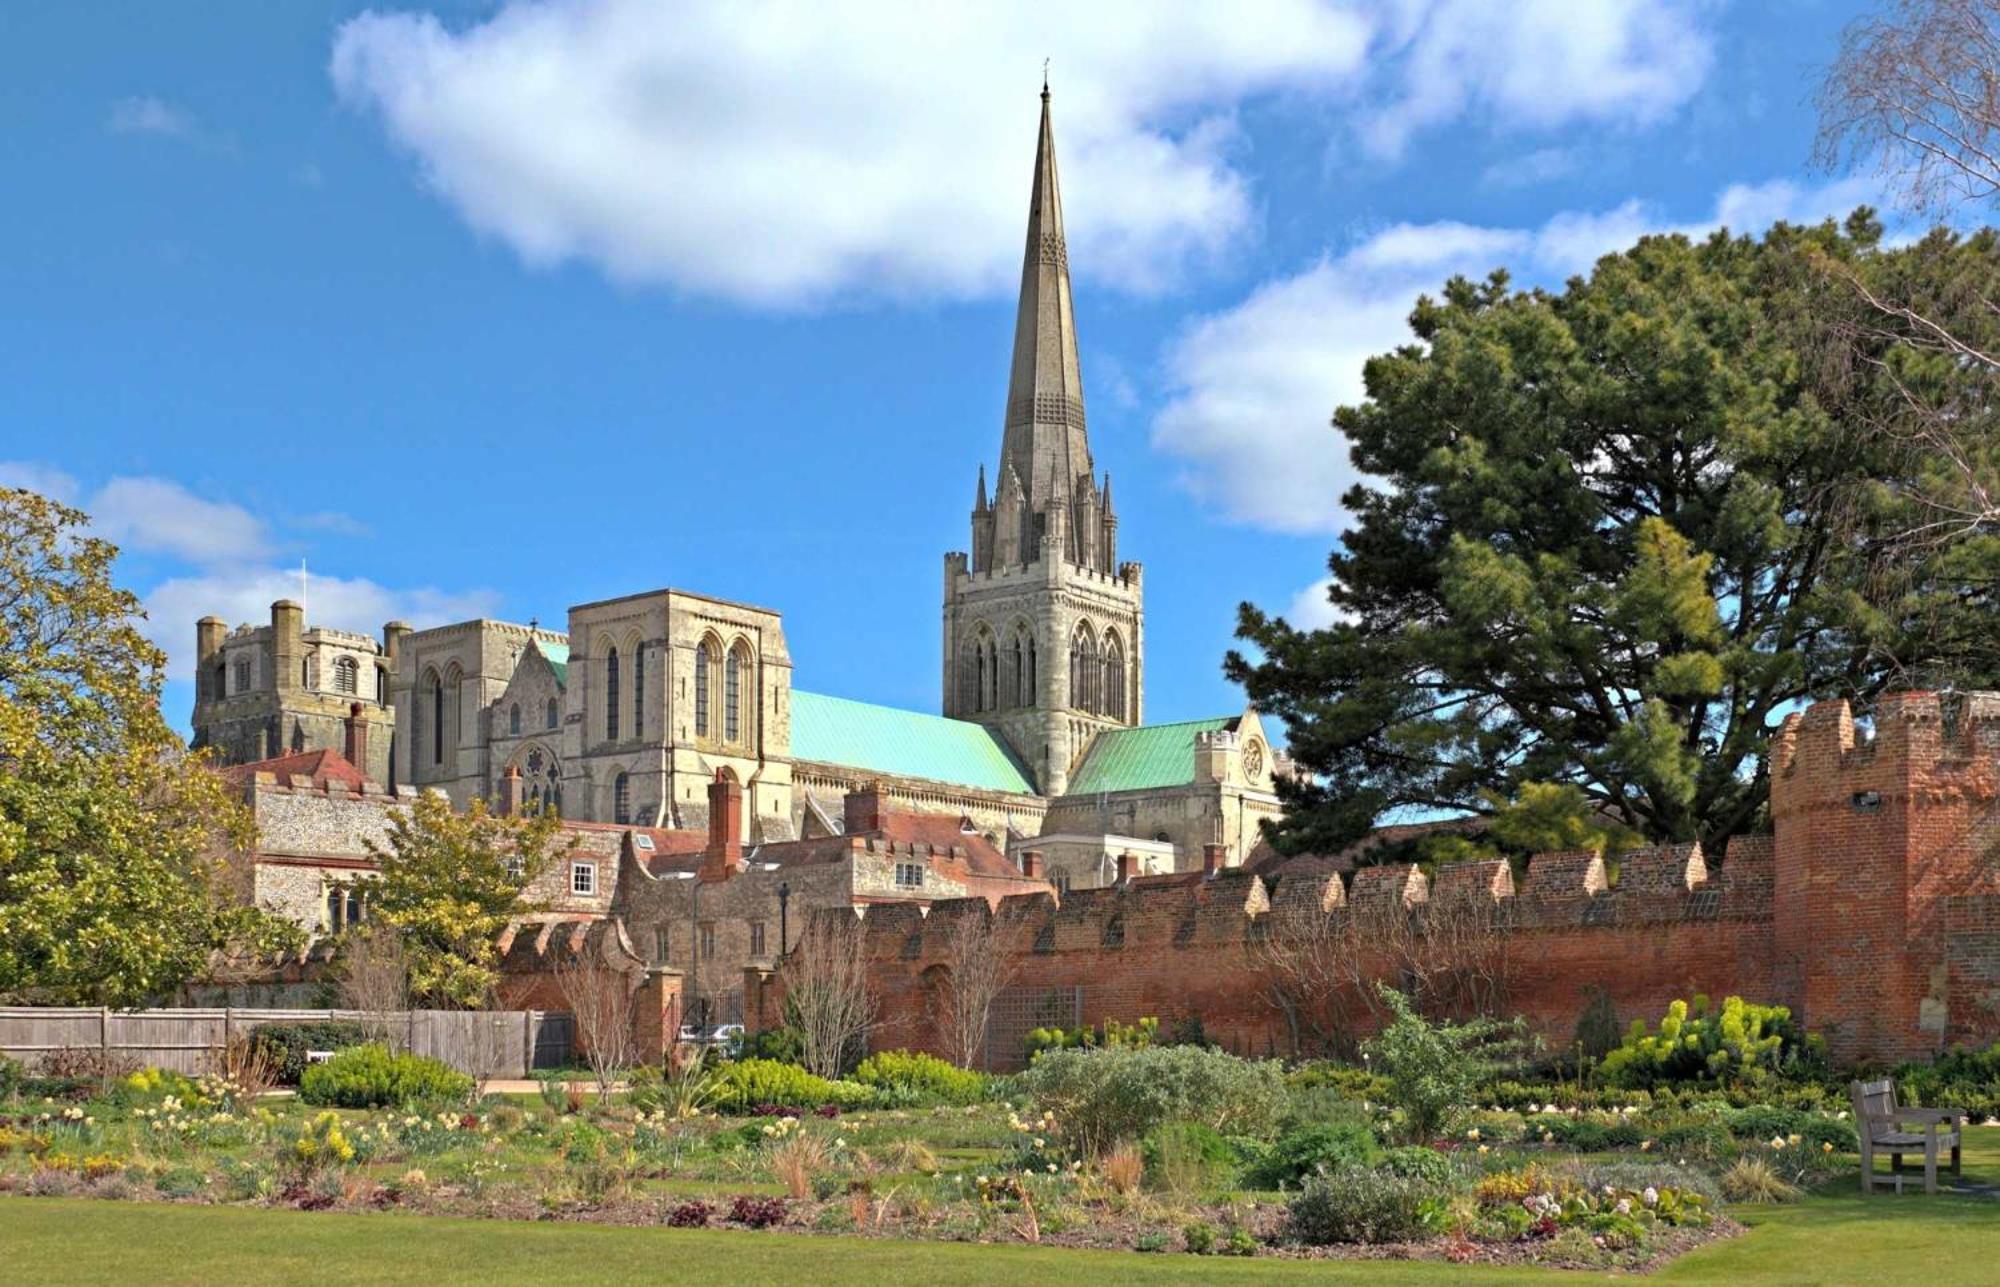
(113, 838)
(451, 882)
(1433, 1068)
(1612, 534)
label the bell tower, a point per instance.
(1043, 626)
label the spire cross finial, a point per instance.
(1045, 78)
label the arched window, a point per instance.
(978, 675)
(346, 676)
(437, 717)
(621, 799)
(550, 716)
(219, 685)
(701, 660)
(732, 694)
(639, 691)
(381, 684)
(1114, 676)
(992, 674)
(611, 695)
(1083, 670)
(305, 672)
(514, 719)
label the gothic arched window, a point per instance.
(1113, 703)
(346, 676)
(621, 799)
(701, 663)
(611, 695)
(639, 691)
(550, 715)
(514, 719)
(437, 717)
(732, 693)
(1084, 676)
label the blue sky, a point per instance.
(492, 309)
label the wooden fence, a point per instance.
(485, 1043)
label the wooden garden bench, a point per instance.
(1882, 1125)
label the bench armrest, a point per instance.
(1945, 1116)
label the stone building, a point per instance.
(628, 716)
(266, 691)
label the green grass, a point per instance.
(1837, 1236)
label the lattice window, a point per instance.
(346, 676)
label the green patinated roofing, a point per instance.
(882, 739)
(558, 659)
(1137, 759)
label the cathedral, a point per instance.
(630, 715)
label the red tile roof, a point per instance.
(323, 767)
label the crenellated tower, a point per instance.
(1043, 627)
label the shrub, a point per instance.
(916, 1078)
(693, 1214)
(1344, 1080)
(322, 1145)
(1432, 1068)
(1751, 1179)
(1765, 1121)
(1419, 1163)
(782, 1044)
(371, 1077)
(1358, 1204)
(748, 1083)
(85, 1064)
(756, 1212)
(1199, 1238)
(1103, 1095)
(11, 1077)
(1186, 1157)
(1300, 1152)
(286, 1044)
(1741, 1042)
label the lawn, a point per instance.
(1835, 1236)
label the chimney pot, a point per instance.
(357, 738)
(510, 793)
(725, 828)
(1031, 863)
(862, 810)
(1212, 857)
(1128, 867)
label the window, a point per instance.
(732, 697)
(305, 672)
(549, 716)
(621, 799)
(219, 682)
(639, 691)
(1084, 676)
(346, 676)
(437, 720)
(333, 908)
(517, 870)
(756, 938)
(707, 942)
(701, 658)
(353, 905)
(1062, 882)
(663, 943)
(243, 675)
(611, 697)
(583, 878)
(514, 719)
(909, 875)
(1113, 697)
(381, 684)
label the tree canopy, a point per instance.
(1609, 535)
(451, 882)
(113, 839)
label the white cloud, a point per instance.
(1541, 64)
(1543, 165)
(27, 475)
(1252, 388)
(159, 516)
(790, 153)
(145, 114)
(246, 595)
(1310, 609)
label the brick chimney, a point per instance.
(862, 811)
(1128, 867)
(1031, 863)
(510, 793)
(724, 856)
(357, 739)
(1212, 858)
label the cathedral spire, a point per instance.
(1043, 439)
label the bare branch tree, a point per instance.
(600, 1006)
(828, 993)
(372, 970)
(981, 964)
(1916, 91)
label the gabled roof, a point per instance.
(882, 739)
(321, 766)
(1138, 759)
(557, 655)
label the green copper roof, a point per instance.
(558, 658)
(834, 730)
(1136, 759)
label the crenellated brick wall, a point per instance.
(1874, 911)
